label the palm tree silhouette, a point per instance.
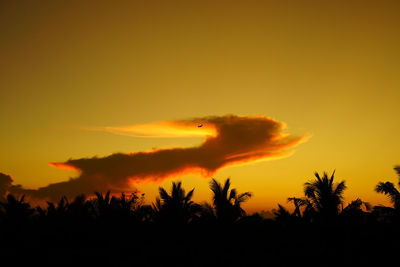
(80, 209)
(297, 202)
(103, 204)
(227, 203)
(208, 213)
(324, 195)
(281, 214)
(16, 211)
(177, 207)
(357, 205)
(390, 190)
(353, 212)
(54, 211)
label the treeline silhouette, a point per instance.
(175, 231)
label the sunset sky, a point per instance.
(80, 79)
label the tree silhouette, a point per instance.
(208, 213)
(118, 226)
(297, 202)
(324, 195)
(281, 214)
(54, 212)
(80, 209)
(353, 212)
(177, 208)
(103, 204)
(356, 205)
(227, 203)
(390, 190)
(15, 211)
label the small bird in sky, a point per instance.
(200, 125)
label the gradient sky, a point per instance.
(326, 68)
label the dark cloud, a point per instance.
(237, 140)
(5, 184)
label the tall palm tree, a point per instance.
(390, 190)
(227, 203)
(324, 195)
(177, 207)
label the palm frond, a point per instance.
(367, 206)
(332, 177)
(297, 201)
(99, 196)
(385, 188)
(397, 170)
(309, 190)
(189, 195)
(281, 212)
(107, 197)
(164, 194)
(232, 194)
(215, 186)
(389, 190)
(244, 197)
(226, 187)
(157, 205)
(340, 187)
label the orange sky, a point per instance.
(326, 68)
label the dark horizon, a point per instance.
(124, 227)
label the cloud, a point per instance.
(161, 129)
(5, 184)
(229, 140)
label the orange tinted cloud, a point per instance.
(63, 166)
(229, 140)
(163, 129)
